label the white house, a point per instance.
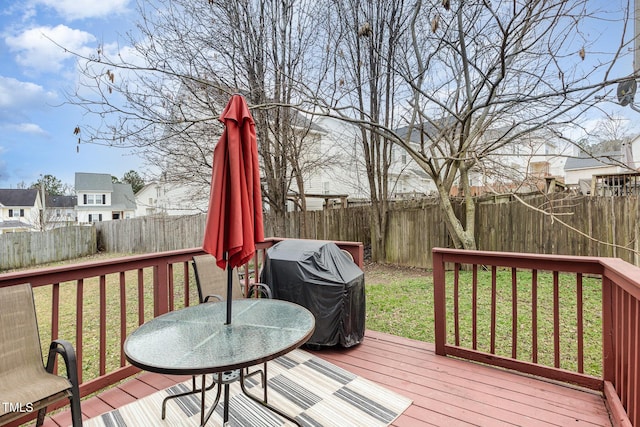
(163, 198)
(608, 158)
(100, 199)
(523, 164)
(519, 165)
(61, 211)
(19, 210)
(337, 148)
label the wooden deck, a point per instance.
(445, 391)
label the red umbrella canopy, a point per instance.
(234, 220)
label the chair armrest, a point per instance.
(65, 349)
(263, 290)
(218, 297)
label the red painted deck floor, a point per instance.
(445, 391)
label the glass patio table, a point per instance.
(196, 341)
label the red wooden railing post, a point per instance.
(160, 289)
(103, 325)
(439, 302)
(608, 359)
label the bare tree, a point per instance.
(612, 128)
(164, 98)
(455, 84)
(360, 86)
(484, 76)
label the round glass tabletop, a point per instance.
(195, 340)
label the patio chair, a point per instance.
(25, 384)
(211, 282)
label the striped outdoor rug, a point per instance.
(313, 391)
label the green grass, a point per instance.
(401, 307)
(405, 308)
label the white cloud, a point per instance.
(18, 98)
(74, 9)
(35, 47)
(17, 94)
(28, 128)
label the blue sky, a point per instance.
(36, 128)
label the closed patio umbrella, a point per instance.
(234, 219)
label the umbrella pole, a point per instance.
(229, 289)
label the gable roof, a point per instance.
(99, 182)
(122, 197)
(18, 197)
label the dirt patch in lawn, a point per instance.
(381, 273)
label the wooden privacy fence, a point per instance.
(502, 224)
(350, 224)
(151, 234)
(585, 226)
(561, 225)
(19, 250)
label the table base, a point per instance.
(221, 378)
(225, 379)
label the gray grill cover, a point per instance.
(320, 277)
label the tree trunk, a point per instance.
(463, 238)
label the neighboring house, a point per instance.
(524, 164)
(19, 210)
(610, 157)
(336, 147)
(521, 165)
(61, 210)
(163, 198)
(99, 199)
(324, 162)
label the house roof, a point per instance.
(99, 182)
(122, 197)
(13, 225)
(61, 201)
(587, 162)
(18, 197)
(426, 128)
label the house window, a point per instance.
(95, 199)
(15, 213)
(325, 187)
(95, 218)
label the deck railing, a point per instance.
(127, 291)
(548, 300)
